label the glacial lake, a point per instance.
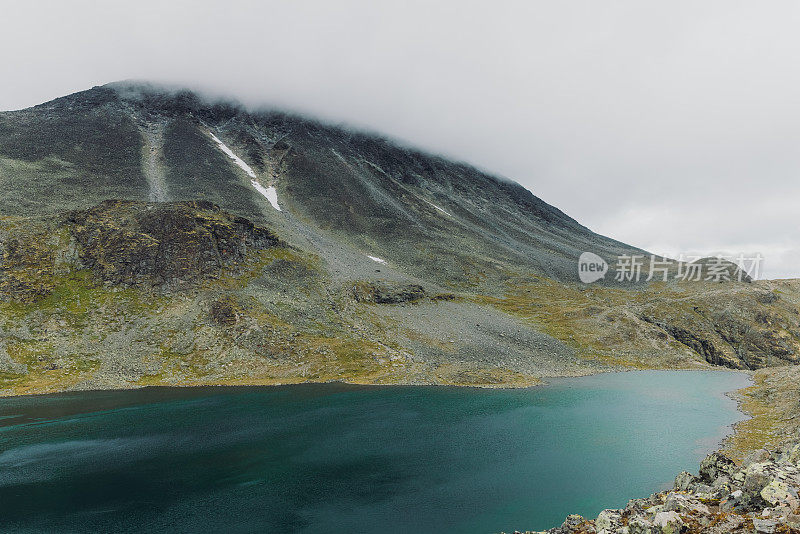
(335, 458)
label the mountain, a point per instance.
(135, 142)
(151, 236)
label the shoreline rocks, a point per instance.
(758, 496)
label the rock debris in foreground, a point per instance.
(758, 496)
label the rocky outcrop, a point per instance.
(695, 341)
(758, 496)
(224, 312)
(27, 266)
(744, 329)
(127, 242)
(385, 292)
(162, 245)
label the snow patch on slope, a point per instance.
(270, 193)
(377, 259)
(236, 159)
(437, 207)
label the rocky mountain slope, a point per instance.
(149, 236)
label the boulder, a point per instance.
(756, 478)
(765, 526)
(684, 504)
(792, 455)
(668, 522)
(721, 482)
(684, 480)
(575, 524)
(732, 501)
(386, 292)
(715, 465)
(639, 525)
(777, 493)
(572, 521)
(608, 520)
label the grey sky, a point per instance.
(668, 125)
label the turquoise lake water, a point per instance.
(335, 458)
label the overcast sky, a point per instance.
(669, 125)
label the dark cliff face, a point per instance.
(128, 242)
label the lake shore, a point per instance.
(751, 484)
(773, 404)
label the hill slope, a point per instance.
(129, 218)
